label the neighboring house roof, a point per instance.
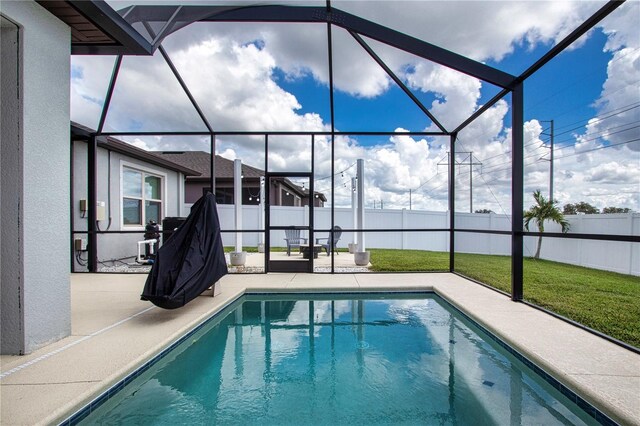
(201, 162)
(320, 195)
(80, 132)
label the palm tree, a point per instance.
(544, 210)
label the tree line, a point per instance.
(586, 208)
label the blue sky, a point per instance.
(564, 90)
(255, 77)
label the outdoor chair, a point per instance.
(331, 241)
(293, 239)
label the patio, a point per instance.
(344, 262)
(113, 332)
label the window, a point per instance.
(141, 197)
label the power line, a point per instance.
(337, 173)
(598, 148)
(488, 169)
(605, 132)
(564, 156)
(595, 119)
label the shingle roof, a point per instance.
(200, 161)
(80, 132)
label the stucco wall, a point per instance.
(116, 246)
(44, 216)
(10, 191)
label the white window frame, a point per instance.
(163, 189)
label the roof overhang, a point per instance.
(83, 133)
(97, 29)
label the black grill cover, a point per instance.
(190, 261)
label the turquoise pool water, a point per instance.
(385, 360)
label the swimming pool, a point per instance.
(386, 359)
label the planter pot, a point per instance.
(260, 247)
(353, 247)
(238, 258)
(362, 257)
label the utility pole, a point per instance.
(471, 164)
(550, 134)
(466, 162)
(440, 163)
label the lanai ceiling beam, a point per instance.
(304, 14)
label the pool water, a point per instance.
(293, 361)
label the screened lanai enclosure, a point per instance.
(413, 132)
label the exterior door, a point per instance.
(289, 222)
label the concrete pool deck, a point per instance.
(113, 332)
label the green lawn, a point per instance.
(605, 301)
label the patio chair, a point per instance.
(331, 241)
(293, 239)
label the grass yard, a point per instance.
(605, 301)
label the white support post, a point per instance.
(261, 210)
(353, 208)
(404, 221)
(237, 199)
(360, 203)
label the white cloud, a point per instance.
(479, 29)
(90, 77)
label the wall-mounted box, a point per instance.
(80, 244)
(101, 209)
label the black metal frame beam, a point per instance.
(573, 36)
(272, 133)
(305, 14)
(397, 80)
(92, 199)
(517, 191)
(482, 109)
(452, 203)
(107, 100)
(174, 70)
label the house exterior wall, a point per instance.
(224, 190)
(193, 191)
(11, 188)
(37, 299)
(109, 166)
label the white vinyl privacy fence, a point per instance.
(620, 257)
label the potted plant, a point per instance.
(362, 258)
